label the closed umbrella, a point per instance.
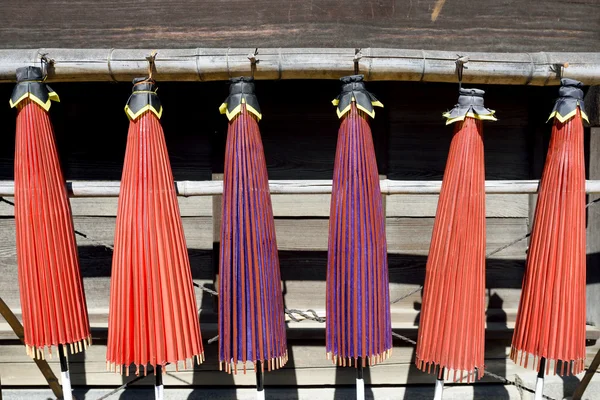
(452, 325)
(251, 318)
(358, 306)
(550, 326)
(153, 318)
(52, 296)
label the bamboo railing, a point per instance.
(210, 188)
(210, 64)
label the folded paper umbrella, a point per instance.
(153, 317)
(550, 322)
(52, 296)
(358, 327)
(452, 325)
(251, 318)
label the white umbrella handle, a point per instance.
(158, 384)
(65, 378)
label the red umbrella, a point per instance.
(452, 324)
(52, 296)
(153, 317)
(358, 305)
(551, 319)
(251, 318)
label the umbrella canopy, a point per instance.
(358, 304)
(452, 325)
(551, 318)
(52, 296)
(153, 318)
(251, 318)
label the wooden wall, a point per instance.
(485, 25)
(299, 132)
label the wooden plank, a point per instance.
(546, 26)
(496, 205)
(199, 206)
(413, 236)
(391, 372)
(303, 257)
(316, 205)
(100, 230)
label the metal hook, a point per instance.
(253, 61)
(357, 57)
(460, 66)
(46, 64)
(559, 69)
(151, 64)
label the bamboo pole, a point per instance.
(213, 64)
(210, 188)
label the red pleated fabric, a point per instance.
(52, 297)
(358, 303)
(551, 318)
(153, 316)
(251, 315)
(452, 325)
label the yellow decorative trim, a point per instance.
(54, 97)
(133, 116)
(223, 108)
(471, 114)
(35, 99)
(20, 99)
(369, 113)
(238, 109)
(565, 118)
(341, 113)
(254, 111)
(45, 106)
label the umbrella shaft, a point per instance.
(158, 384)
(439, 386)
(260, 390)
(360, 383)
(64, 373)
(539, 383)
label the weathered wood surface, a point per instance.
(503, 206)
(593, 233)
(303, 258)
(299, 135)
(486, 26)
(307, 366)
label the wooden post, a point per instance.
(593, 216)
(45, 369)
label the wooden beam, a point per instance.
(42, 365)
(585, 381)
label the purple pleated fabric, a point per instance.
(358, 304)
(251, 317)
